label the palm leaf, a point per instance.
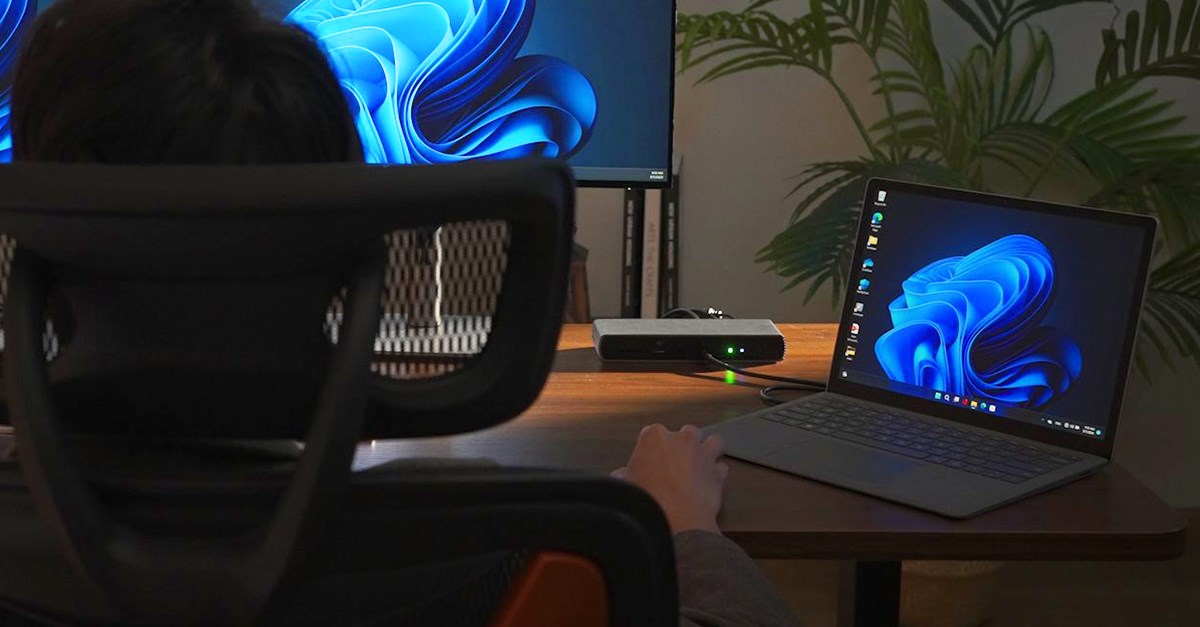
(818, 244)
(1168, 189)
(1171, 316)
(752, 38)
(1150, 48)
(992, 20)
(745, 38)
(993, 91)
(910, 38)
(1027, 147)
(1128, 143)
(866, 21)
(953, 124)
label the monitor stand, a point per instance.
(650, 252)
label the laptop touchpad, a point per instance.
(843, 462)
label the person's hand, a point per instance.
(680, 470)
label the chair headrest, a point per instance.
(157, 236)
(183, 222)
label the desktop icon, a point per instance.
(850, 351)
(882, 196)
(864, 285)
(877, 219)
(859, 307)
(854, 328)
(868, 264)
(845, 374)
(872, 242)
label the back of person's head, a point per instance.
(176, 81)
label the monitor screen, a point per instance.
(15, 18)
(1009, 312)
(442, 81)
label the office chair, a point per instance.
(157, 320)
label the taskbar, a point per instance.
(633, 176)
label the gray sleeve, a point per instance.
(720, 586)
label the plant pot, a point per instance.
(947, 594)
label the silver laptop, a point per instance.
(982, 354)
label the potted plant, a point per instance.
(982, 122)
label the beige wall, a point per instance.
(742, 139)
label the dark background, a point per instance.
(625, 48)
(1095, 271)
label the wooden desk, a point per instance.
(589, 416)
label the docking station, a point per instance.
(731, 340)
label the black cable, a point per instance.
(767, 394)
(698, 314)
(804, 383)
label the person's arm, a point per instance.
(719, 585)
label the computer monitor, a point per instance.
(437, 81)
(440, 81)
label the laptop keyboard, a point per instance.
(926, 440)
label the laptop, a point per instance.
(981, 357)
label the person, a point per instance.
(719, 585)
(213, 81)
(175, 82)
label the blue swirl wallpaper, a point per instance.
(15, 16)
(432, 81)
(1019, 309)
(972, 326)
(439, 81)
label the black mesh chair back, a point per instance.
(330, 304)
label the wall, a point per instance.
(744, 137)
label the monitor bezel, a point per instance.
(1102, 447)
(669, 182)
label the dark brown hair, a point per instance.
(176, 81)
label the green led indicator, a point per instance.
(729, 350)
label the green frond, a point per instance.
(996, 96)
(818, 244)
(962, 123)
(1029, 146)
(754, 38)
(1168, 189)
(1129, 144)
(1155, 43)
(865, 20)
(993, 20)
(1172, 311)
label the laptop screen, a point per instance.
(1004, 310)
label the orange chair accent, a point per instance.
(556, 590)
